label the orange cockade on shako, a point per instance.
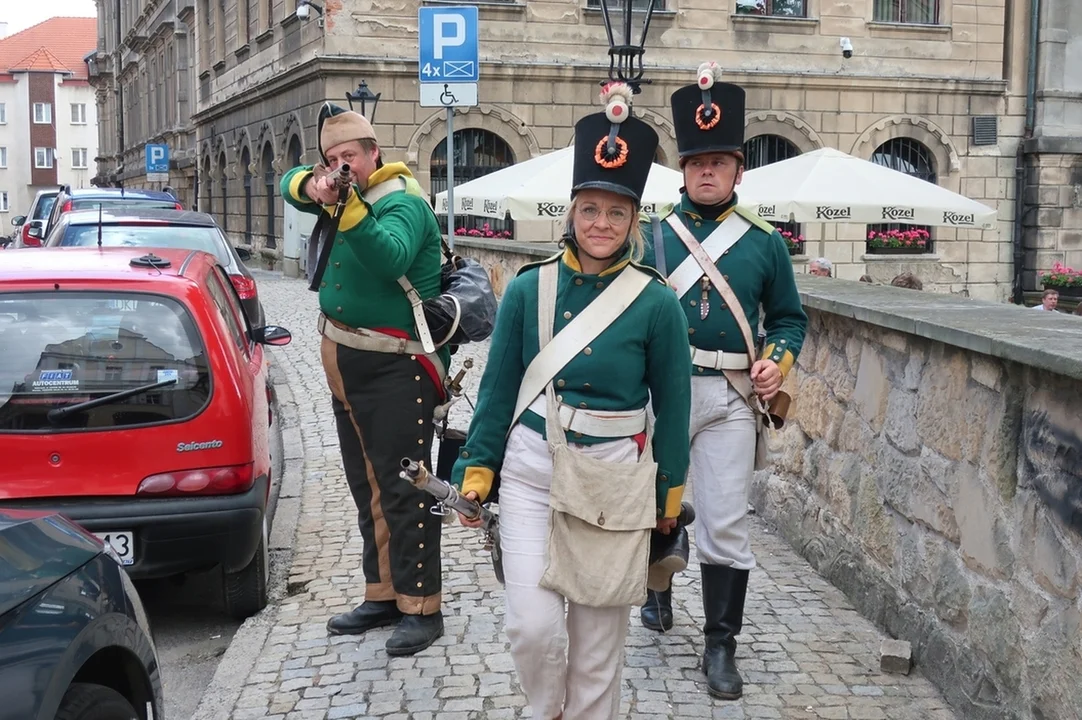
(709, 73)
(616, 97)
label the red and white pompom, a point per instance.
(616, 97)
(709, 73)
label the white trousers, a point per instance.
(571, 660)
(722, 461)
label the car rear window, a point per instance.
(118, 202)
(44, 207)
(59, 349)
(156, 235)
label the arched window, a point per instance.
(207, 201)
(268, 185)
(246, 165)
(477, 153)
(295, 151)
(224, 189)
(912, 158)
(766, 149)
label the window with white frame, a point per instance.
(43, 157)
(3, 200)
(78, 158)
(3, 157)
(3, 114)
(43, 113)
(78, 113)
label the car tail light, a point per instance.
(178, 206)
(30, 241)
(204, 481)
(67, 207)
(245, 286)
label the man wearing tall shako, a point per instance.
(726, 420)
(384, 386)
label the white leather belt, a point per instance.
(372, 341)
(719, 360)
(596, 423)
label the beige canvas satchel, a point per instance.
(600, 512)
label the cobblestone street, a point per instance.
(804, 651)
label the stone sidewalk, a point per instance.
(804, 651)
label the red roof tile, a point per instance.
(58, 45)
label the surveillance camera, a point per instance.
(302, 11)
(847, 46)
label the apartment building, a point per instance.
(48, 114)
(937, 88)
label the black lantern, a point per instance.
(625, 59)
(363, 95)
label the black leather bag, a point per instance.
(465, 309)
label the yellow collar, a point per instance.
(388, 171)
(572, 261)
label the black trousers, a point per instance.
(383, 405)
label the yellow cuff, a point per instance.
(296, 187)
(672, 501)
(783, 358)
(353, 212)
(478, 479)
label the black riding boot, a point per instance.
(656, 614)
(724, 590)
(668, 556)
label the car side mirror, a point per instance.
(271, 335)
(34, 231)
(18, 220)
(244, 254)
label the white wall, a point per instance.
(15, 136)
(70, 136)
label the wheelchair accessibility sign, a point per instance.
(448, 94)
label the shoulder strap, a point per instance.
(659, 245)
(578, 333)
(724, 237)
(707, 266)
(753, 217)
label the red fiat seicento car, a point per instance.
(134, 400)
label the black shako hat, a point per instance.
(709, 115)
(613, 150)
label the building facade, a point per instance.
(936, 88)
(48, 115)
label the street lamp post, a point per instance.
(363, 95)
(625, 59)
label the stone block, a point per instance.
(984, 542)
(1053, 564)
(895, 656)
(994, 631)
(872, 389)
(899, 426)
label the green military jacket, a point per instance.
(758, 269)
(642, 357)
(376, 245)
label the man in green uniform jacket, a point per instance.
(385, 387)
(725, 422)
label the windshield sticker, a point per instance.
(168, 374)
(55, 381)
(192, 446)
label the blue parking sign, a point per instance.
(157, 158)
(448, 44)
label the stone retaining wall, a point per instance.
(931, 468)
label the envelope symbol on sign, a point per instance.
(457, 69)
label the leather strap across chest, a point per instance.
(725, 235)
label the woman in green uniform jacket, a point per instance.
(569, 661)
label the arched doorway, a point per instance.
(268, 187)
(223, 188)
(763, 150)
(913, 158)
(478, 152)
(246, 165)
(295, 151)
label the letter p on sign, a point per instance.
(157, 155)
(456, 24)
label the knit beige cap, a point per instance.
(344, 127)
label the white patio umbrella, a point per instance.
(828, 185)
(540, 188)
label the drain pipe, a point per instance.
(1020, 160)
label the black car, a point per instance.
(139, 227)
(75, 643)
(70, 199)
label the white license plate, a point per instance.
(123, 544)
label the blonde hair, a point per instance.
(634, 235)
